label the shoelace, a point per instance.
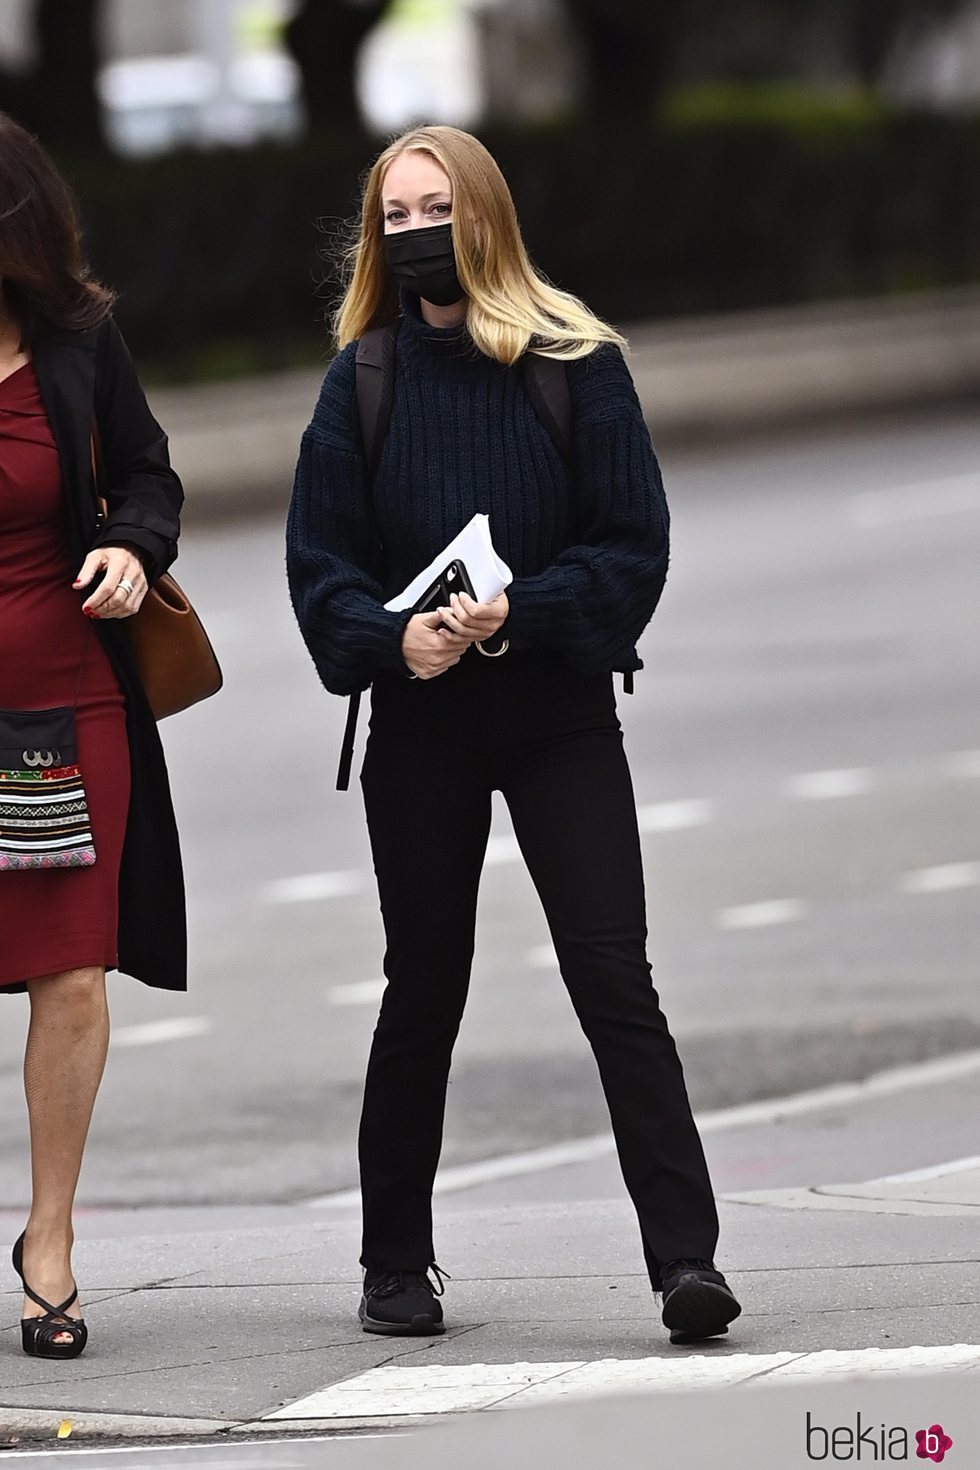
(394, 1281)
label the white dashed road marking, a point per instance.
(953, 494)
(360, 993)
(312, 887)
(674, 816)
(944, 879)
(827, 785)
(502, 849)
(762, 915)
(965, 764)
(433, 1389)
(152, 1033)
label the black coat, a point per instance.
(87, 377)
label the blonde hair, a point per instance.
(511, 309)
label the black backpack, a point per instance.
(546, 381)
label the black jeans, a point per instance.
(550, 741)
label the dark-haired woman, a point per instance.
(68, 580)
(535, 717)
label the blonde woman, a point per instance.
(513, 695)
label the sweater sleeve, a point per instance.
(332, 546)
(593, 602)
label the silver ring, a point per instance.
(126, 586)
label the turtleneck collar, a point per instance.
(452, 341)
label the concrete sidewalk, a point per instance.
(235, 443)
(214, 1321)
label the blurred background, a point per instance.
(724, 155)
(780, 201)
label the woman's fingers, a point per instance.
(121, 590)
(123, 603)
(429, 649)
(473, 620)
(93, 563)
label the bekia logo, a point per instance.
(933, 1443)
(874, 1442)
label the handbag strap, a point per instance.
(347, 745)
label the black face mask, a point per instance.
(424, 261)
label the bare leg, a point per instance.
(66, 1051)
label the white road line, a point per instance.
(661, 816)
(827, 785)
(488, 1171)
(944, 879)
(176, 1451)
(152, 1033)
(843, 1094)
(761, 915)
(674, 816)
(951, 495)
(746, 1115)
(542, 957)
(502, 849)
(360, 993)
(432, 1388)
(312, 887)
(964, 764)
(935, 1171)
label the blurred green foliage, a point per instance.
(805, 110)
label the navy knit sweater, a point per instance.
(588, 547)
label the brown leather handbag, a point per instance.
(174, 659)
(176, 664)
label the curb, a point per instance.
(699, 379)
(17, 1425)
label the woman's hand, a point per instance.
(429, 650)
(475, 621)
(121, 590)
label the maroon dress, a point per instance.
(66, 918)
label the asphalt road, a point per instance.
(805, 741)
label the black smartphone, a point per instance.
(455, 578)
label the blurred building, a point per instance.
(197, 71)
(205, 72)
(941, 69)
(188, 71)
(458, 61)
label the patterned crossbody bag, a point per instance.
(44, 816)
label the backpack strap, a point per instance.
(546, 381)
(374, 386)
(347, 744)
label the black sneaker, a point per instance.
(698, 1302)
(402, 1303)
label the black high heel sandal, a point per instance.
(39, 1333)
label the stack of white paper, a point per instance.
(474, 548)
